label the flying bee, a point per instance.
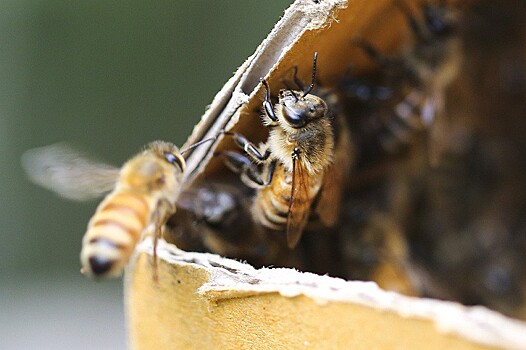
(293, 169)
(144, 196)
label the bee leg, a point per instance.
(297, 80)
(382, 60)
(160, 216)
(155, 265)
(270, 171)
(249, 147)
(413, 23)
(355, 87)
(392, 67)
(240, 164)
(267, 104)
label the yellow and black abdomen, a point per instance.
(273, 203)
(113, 233)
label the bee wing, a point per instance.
(328, 204)
(63, 170)
(439, 127)
(298, 209)
(335, 178)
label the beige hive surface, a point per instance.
(203, 301)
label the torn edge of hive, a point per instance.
(233, 279)
(301, 16)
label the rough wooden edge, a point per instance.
(360, 312)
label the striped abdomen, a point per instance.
(271, 207)
(113, 232)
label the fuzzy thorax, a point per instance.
(315, 142)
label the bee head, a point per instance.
(298, 110)
(168, 152)
(160, 165)
(439, 20)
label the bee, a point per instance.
(220, 221)
(144, 195)
(434, 59)
(408, 97)
(435, 55)
(293, 170)
(373, 244)
(469, 218)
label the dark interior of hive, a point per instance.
(446, 224)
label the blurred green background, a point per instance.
(107, 77)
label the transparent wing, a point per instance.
(299, 205)
(328, 206)
(62, 169)
(336, 178)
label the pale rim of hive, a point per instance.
(230, 279)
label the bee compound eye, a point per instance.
(174, 160)
(100, 265)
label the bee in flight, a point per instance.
(143, 196)
(291, 168)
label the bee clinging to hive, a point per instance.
(218, 219)
(434, 59)
(398, 119)
(434, 55)
(144, 196)
(409, 95)
(292, 170)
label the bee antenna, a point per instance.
(197, 144)
(297, 80)
(313, 75)
(295, 97)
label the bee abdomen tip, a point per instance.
(99, 265)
